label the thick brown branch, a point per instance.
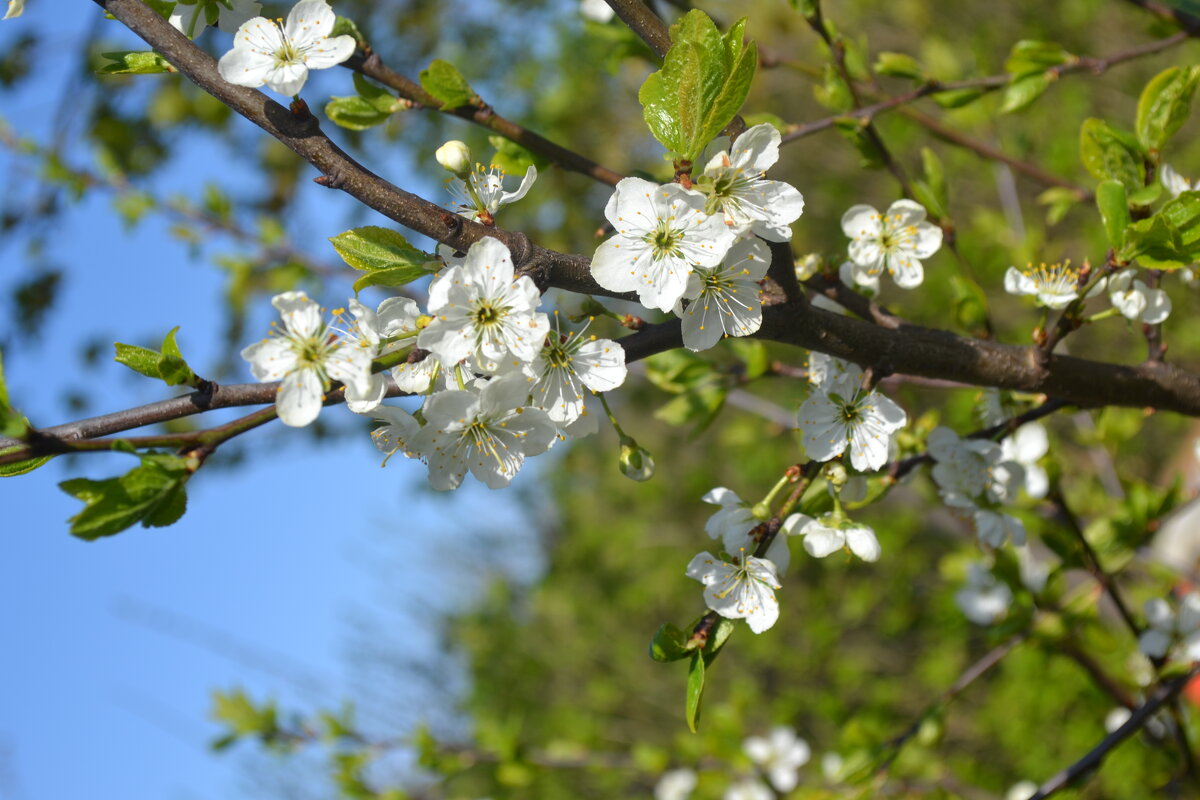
(482, 114)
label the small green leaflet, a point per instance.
(703, 82)
(371, 106)
(12, 423)
(1110, 153)
(1114, 210)
(385, 255)
(133, 62)
(1164, 105)
(152, 494)
(167, 366)
(447, 84)
(1168, 240)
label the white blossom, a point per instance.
(858, 278)
(736, 187)
(305, 357)
(398, 430)
(1054, 285)
(571, 365)
(662, 233)
(394, 317)
(191, 17)
(1116, 718)
(488, 432)
(1173, 182)
(480, 309)
(838, 415)
(831, 532)
(454, 156)
(897, 241)
(748, 789)
(485, 194)
(724, 300)
(596, 11)
(984, 600)
(1026, 446)
(780, 755)
(1021, 790)
(1034, 571)
(1170, 631)
(741, 590)
(280, 55)
(15, 9)
(1137, 301)
(995, 528)
(734, 521)
(675, 784)
(972, 471)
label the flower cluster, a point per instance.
(699, 251)
(501, 385)
(840, 414)
(973, 476)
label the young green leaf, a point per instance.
(1114, 210)
(446, 84)
(168, 366)
(395, 276)
(12, 423)
(1110, 153)
(703, 82)
(152, 494)
(375, 248)
(131, 62)
(1164, 105)
(669, 644)
(899, 65)
(695, 690)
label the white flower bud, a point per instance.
(455, 157)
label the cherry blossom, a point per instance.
(724, 300)
(741, 590)
(896, 241)
(736, 187)
(1135, 300)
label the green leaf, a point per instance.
(237, 711)
(513, 158)
(1029, 57)
(20, 467)
(703, 82)
(717, 638)
(1110, 153)
(752, 353)
(447, 85)
(1021, 93)
(834, 93)
(957, 98)
(396, 276)
(695, 690)
(375, 248)
(133, 62)
(1058, 200)
(899, 65)
(354, 113)
(698, 407)
(344, 26)
(930, 191)
(12, 422)
(152, 494)
(1164, 105)
(167, 366)
(1168, 240)
(1114, 210)
(669, 644)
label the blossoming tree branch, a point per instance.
(493, 350)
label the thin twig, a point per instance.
(1162, 695)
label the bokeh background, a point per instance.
(513, 626)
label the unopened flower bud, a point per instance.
(455, 156)
(636, 462)
(835, 474)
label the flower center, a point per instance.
(665, 240)
(287, 53)
(486, 315)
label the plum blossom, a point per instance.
(1055, 285)
(480, 309)
(741, 590)
(675, 784)
(1173, 182)
(971, 471)
(482, 193)
(984, 600)
(306, 356)
(1137, 301)
(597, 11)
(724, 300)
(455, 157)
(1026, 446)
(832, 532)
(748, 789)
(381, 330)
(734, 521)
(571, 365)
(663, 233)
(736, 187)
(780, 755)
(15, 9)
(839, 414)
(896, 241)
(191, 17)
(995, 528)
(398, 430)
(488, 432)
(1170, 631)
(281, 54)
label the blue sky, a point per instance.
(280, 569)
